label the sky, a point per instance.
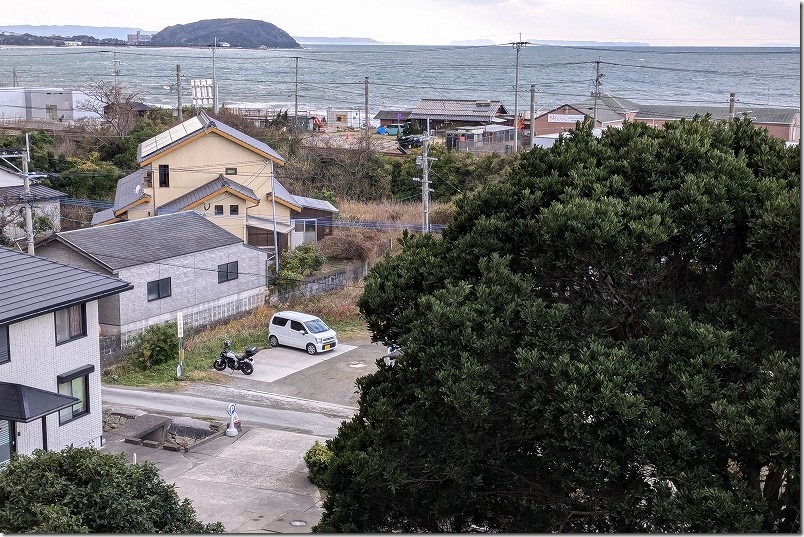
(442, 22)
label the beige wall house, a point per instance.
(205, 166)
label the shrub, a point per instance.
(158, 344)
(351, 244)
(317, 460)
(298, 263)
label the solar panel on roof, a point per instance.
(164, 139)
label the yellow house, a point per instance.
(206, 166)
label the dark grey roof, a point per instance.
(147, 240)
(393, 114)
(208, 189)
(31, 286)
(38, 192)
(24, 404)
(190, 128)
(283, 194)
(457, 110)
(783, 116)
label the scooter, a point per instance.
(229, 359)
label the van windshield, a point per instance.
(316, 326)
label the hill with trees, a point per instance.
(242, 33)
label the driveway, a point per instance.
(279, 362)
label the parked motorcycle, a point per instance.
(234, 362)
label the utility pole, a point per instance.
(518, 46)
(115, 68)
(29, 235)
(178, 91)
(532, 114)
(596, 94)
(214, 80)
(424, 162)
(366, 113)
(14, 77)
(26, 197)
(296, 102)
(273, 210)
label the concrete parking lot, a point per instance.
(278, 362)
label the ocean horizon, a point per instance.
(334, 75)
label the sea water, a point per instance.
(399, 76)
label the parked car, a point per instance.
(300, 330)
(411, 140)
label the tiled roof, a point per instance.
(193, 127)
(31, 285)
(148, 240)
(103, 216)
(216, 185)
(283, 194)
(395, 115)
(457, 110)
(604, 113)
(38, 192)
(130, 188)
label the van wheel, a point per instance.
(273, 341)
(310, 349)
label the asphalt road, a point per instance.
(299, 393)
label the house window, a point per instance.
(158, 289)
(5, 353)
(52, 112)
(164, 175)
(234, 209)
(6, 440)
(231, 171)
(227, 271)
(75, 383)
(71, 323)
(219, 210)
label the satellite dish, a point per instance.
(137, 189)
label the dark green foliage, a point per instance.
(82, 490)
(317, 460)
(157, 344)
(606, 340)
(300, 262)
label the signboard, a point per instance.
(202, 91)
(232, 409)
(180, 324)
(564, 118)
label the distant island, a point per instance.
(239, 33)
(337, 41)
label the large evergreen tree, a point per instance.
(606, 340)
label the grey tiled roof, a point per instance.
(393, 115)
(619, 104)
(457, 110)
(283, 194)
(38, 192)
(783, 116)
(202, 192)
(187, 129)
(148, 240)
(31, 286)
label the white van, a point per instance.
(301, 330)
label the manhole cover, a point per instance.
(298, 523)
(357, 364)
